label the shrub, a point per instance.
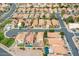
(45, 34)
(69, 20)
(61, 33)
(51, 30)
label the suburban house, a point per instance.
(73, 26)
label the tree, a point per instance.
(23, 24)
(76, 6)
(51, 30)
(77, 19)
(21, 46)
(66, 7)
(62, 12)
(46, 6)
(69, 20)
(53, 16)
(62, 6)
(61, 33)
(44, 17)
(52, 7)
(45, 34)
(44, 54)
(59, 4)
(31, 6)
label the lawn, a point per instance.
(1, 36)
(6, 41)
(2, 25)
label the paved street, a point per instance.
(14, 32)
(77, 34)
(8, 14)
(68, 36)
(4, 53)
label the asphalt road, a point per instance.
(4, 53)
(77, 34)
(9, 13)
(14, 32)
(68, 36)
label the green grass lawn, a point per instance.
(6, 41)
(2, 25)
(1, 36)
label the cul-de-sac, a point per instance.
(39, 29)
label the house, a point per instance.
(20, 38)
(14, 23)
(55, 23)
(21, 9)
(35, 23)
(29, 38)
(24, 37)
(39, 36)
(73, 25)
(39, 39)
(48, 23)
(15, 15)
(41, 22)
(56, 44)
(28, 22)
(51, 11)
